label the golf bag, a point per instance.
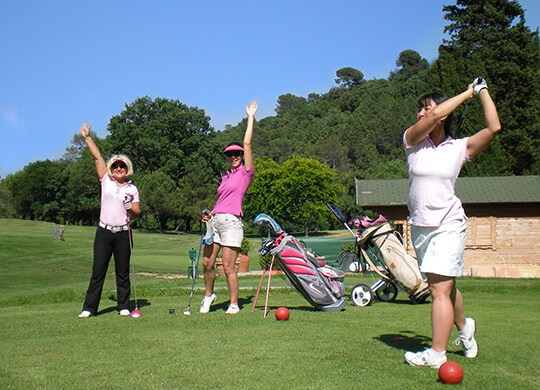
(380, 250)
(321, 285)
(402, 266)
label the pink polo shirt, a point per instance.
(433, 171)
(232, 190)
(113, 212)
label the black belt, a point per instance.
(114, 229)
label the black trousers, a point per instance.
(107, 243)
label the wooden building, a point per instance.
(503, 229)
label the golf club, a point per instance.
(135, 313)
(258, 289)
(268, 287)
(264, 219)
(187, 312)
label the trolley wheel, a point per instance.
(361, 295)
(388, 292)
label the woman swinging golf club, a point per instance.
(438, 221)
(118, 196)
(226, 218)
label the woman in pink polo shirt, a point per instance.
(119, 202)
(438, 221)
(225, 221)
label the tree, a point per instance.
(159, 196)
(7, 204)
(38, 190)
(293, 192)
(489, 38)
(349, 77)
(197, 191)
(287, 102)
(163, 135)
(411, 63)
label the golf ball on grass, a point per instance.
(282, 314)
(451, 372)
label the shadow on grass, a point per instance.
(404, 301)
(243, 303)
(140, 304)
(405, 340)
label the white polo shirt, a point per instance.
(113, 212)
(433, 171)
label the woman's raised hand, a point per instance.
(252, 109)
(85, 130)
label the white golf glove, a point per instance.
(479, 84)
(127, 203)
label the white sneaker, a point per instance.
(84, 314)
(206, 302)
(466, 338)
(124, 312)
(233, 309)
(425, 358)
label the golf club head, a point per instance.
(136, 313)
(187, 312)
(264, 219)
(337, 212)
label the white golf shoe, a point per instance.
(466, 338)
(124, 312)
(426, 358)
(84, 314)
(206, 302)
(233, 309)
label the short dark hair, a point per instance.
(438, 98)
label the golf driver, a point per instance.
(135, 313)
(187, 312)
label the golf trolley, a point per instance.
(380, 251)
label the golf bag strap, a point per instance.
(373, 267)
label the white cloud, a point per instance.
(10, 115)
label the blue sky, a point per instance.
(68, 61)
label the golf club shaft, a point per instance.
(258, 290)
(196, 268)
(131, 259)
(268, 287)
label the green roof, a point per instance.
(493, 189)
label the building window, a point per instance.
(481, 233)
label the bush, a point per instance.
(245, 247)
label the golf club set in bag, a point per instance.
(321, 285)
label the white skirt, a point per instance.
(440, 250)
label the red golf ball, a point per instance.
(282, 314)
(451, 372)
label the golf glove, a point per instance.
(479, 84)
(127, 204)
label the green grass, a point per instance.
(44, 345)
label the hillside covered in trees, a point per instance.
(314, 146)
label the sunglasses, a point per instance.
(118, 165)
(234, 153)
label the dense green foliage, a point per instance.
(354, 130)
